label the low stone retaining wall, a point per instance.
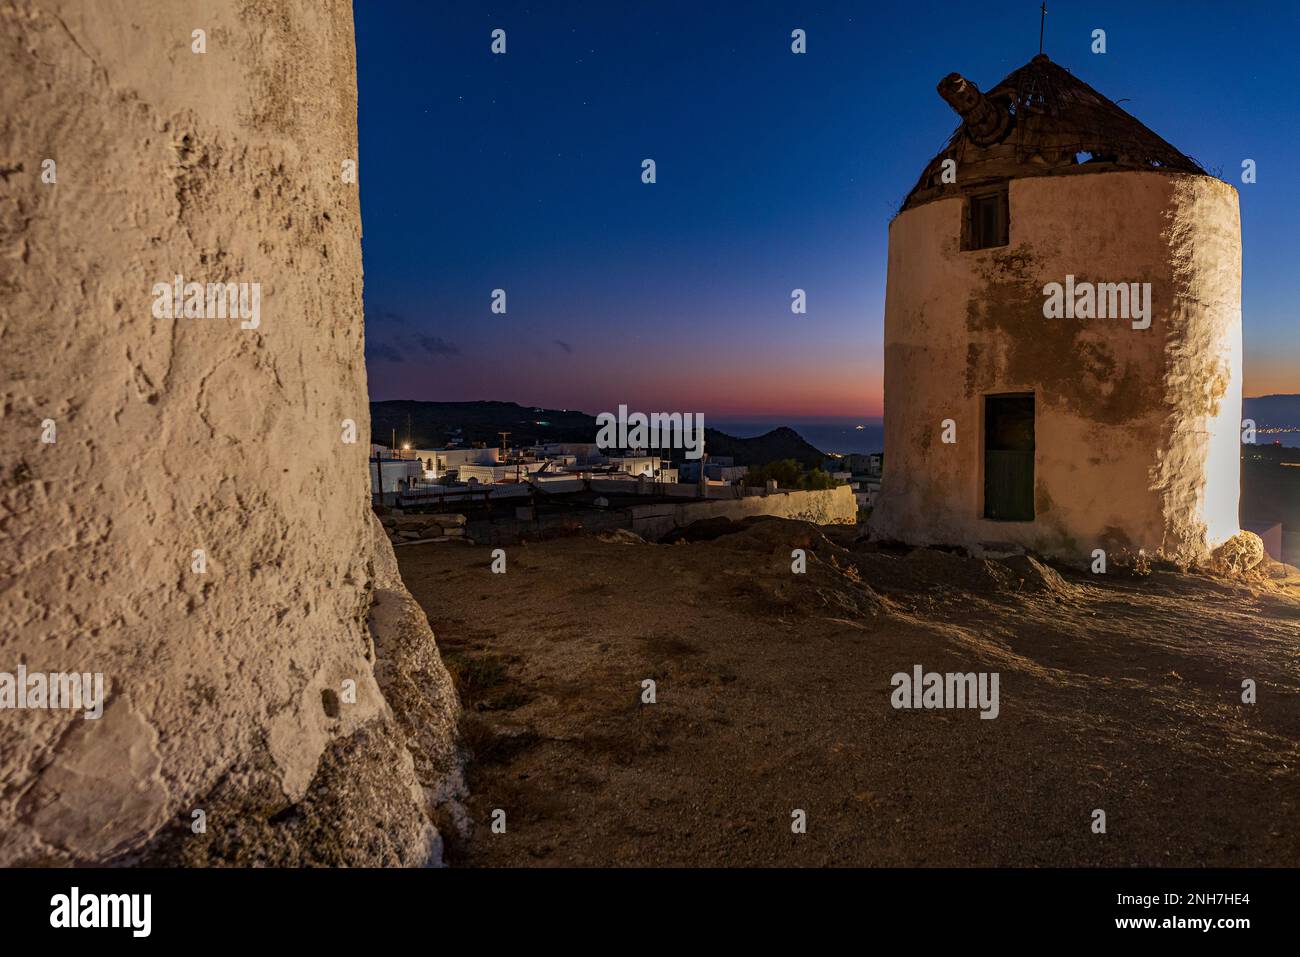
(651, 521)
(834, 506)
(405, 529)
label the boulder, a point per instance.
(1238, 554)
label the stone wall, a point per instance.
(834, 506)
(198, 529)
(437, 527)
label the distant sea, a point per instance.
(842, 435)
(829, 435)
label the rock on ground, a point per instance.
(1240, 553)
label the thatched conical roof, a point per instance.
(1040, 120)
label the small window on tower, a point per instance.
(987, 216)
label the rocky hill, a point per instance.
(432, 424)
(1273, 410)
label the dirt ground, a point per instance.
(1120, 693)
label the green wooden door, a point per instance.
(1009, 458)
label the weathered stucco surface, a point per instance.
(226, 689)
(1136, 431)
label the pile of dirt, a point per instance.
(620, 536)
(1036, 577)
(705, 530)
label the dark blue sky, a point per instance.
(775, 171)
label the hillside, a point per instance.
(1270, 491)
(431, 425)
(1273, 410)
(782, 443)
(1270, 483)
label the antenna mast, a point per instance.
(1042, 22)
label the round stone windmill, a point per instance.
(1062, 333)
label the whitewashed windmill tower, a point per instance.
(1079, 423)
